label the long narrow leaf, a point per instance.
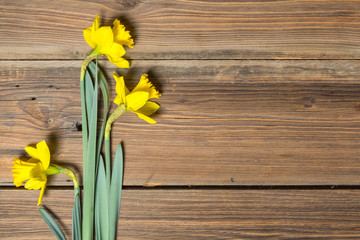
(54, 227)
(101, 204)
(90, 174)
(76, 217)
(84, 125)
(107, 160)
(89, 92)
(105, 94)
(115, 191)
(73, 225)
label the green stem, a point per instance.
(121, 109)
(76, 215)
(84, 64)
(55, 169)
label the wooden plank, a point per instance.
(201, 29)
(223, 123)
(199, 214)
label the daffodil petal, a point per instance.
(88, 37)
(33, 184)
(96, 23)
(115, 54)
(122, 36)
(149, 108)
(41, 193)
(118, 100)
(136, 100)
(116, 51)
(120, 89)
(33, 152)
(44, 154)
(119, 61)
(146, 118)
(103, 37)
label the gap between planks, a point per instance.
(213, 187)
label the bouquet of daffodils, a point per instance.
(101, 185)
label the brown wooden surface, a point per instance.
(255, 95)
(200, 214)
(186, 29)
(233, 123)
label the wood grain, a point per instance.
(199, 214)
(221, 123)
(201, 29)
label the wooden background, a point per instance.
(258, 136)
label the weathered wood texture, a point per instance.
(200, 29)
(254, 93)
(221, 123)
(199, 214)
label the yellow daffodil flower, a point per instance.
(34, 170)
(137, 100)
(109, 41)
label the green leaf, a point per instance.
(76, 217)
(84, 124)
(105, 94)
(54, 227)
(89, 92)
(107, 160)
(115, 191)
(90, 167)
(101, 204)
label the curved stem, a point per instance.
(76, 215)
(115, 115)
(55, 169)
(84, 64)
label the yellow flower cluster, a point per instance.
(109, 41)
